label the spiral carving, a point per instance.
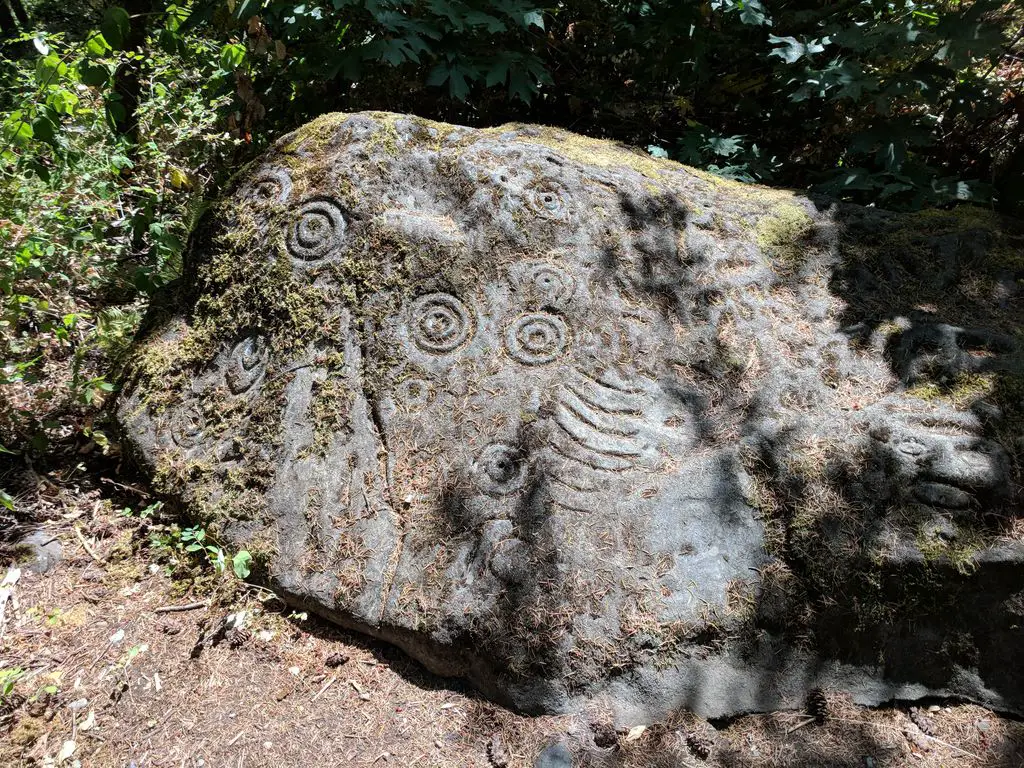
(439, 323)
(187, 426)
(548, 201)
(270, 186)
(499, 469)
(247, 363)
(318, 232)
(553, 284)
(536, 338)
(415, 392)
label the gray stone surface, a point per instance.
(45, 551)
(555, 755)
(583, 426)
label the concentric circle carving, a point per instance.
(499, 469)
(247, 363)
(439, 323)
(317, 232)
(270, 186)
(551, 282)
(187, 426)
(548, 201)
(536, 338)
(415, 392)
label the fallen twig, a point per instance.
(132, 488)
(85, 545)
(899, 730)
(800, 725)
(178, 608)
(7, 593)
(327, 685)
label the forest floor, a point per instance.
(98, 669)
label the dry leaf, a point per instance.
(90, 722)
(66, 751)
(635, 733)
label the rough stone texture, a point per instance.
(44, 551)
(580, 425)
(555, 755)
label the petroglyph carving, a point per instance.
(547, 284)
(439, 323)
(499, 469)
(270, 186)
(247, 363)
(536, 338)
(187, 426)
(317, 232)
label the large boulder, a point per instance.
(584, 426)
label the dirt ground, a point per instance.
(99, 668)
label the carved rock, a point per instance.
(581, 425)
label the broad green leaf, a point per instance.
(96, 44)
(791, 50)
(533, 19)
(93, 74)
(115, 26)
(43, 129)
(247, 8)
(49, 70)
(240, 564)
(17, 129)
(115, 112)
(63, 101)
(232, 56)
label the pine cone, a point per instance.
(699, 745)
(922, 721)
(496, 751)
(817, 705)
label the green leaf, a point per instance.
(115, 26)
(39, 169)
(63, 102)
(17, 129)
(6, 501)
(232, 56)
(43, 129)
(97, 44)
(240, 564)
(247, 8)
(791, 50)
(93, 74)
(725, 146)
(49, 69)
(115, 112)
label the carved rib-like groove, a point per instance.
(598, 442)
(587, 458)
(572, 484)
(593, 416)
